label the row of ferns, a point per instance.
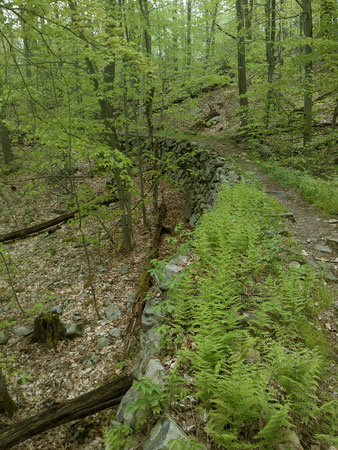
(253, 345)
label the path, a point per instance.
(310, 227)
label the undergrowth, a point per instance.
(243, 310)
(322, 193)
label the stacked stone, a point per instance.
(197, 171)
(150, 366)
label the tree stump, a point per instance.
(7, 405)
(48, 329)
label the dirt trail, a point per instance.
(311, 227)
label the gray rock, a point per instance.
(322, 248)
(162, 434)
(101, 269)
(179, 260)
(151, 340)
(58, 309)
(149, 316)
(102, 342)
(166, 274)
(124, 415)
(93, 360)
(115, 333)
(155, 372)
(125, 269)
(3, 338)
(332, 243)
(74, 330)
(21, 331)
(112, 312)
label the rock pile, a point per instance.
(197, 171)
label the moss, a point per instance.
(48, 329)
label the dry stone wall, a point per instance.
(198, 173)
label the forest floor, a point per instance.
(50, 269)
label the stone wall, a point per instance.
(197, 171)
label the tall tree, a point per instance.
(241, 64)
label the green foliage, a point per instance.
(321, 193)
(151, 399)
(254, 381)
(118, 437)
(190, 444)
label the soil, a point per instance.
(50, 269)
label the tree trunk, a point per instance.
(6, 143)
(7, 405)
(104, 397)
(210, 33)
(107, 114)
(188, 37)
(241, 58)
(270, 35)
(149, 96)
(307, 52)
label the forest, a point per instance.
(169, 164)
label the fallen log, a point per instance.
(201, 122)
(101, 398)
(24, 232)
(145, 279)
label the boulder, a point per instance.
(58, 309)
(102, 342)
(21, 331)
(150, 340)
(115, 333)
(112, 312)
(74, 330)
(150, 317)
(165, 431)
(124, 415)
(291, 443)
(155, 372)
(166, 275)
(125, 269)
(323, 248)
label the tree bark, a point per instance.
(307, 52)
(24, 232)
(7, 405)
(241, 58)
(188, 37)
(5, 143)
(104, 397)
(270, 37)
